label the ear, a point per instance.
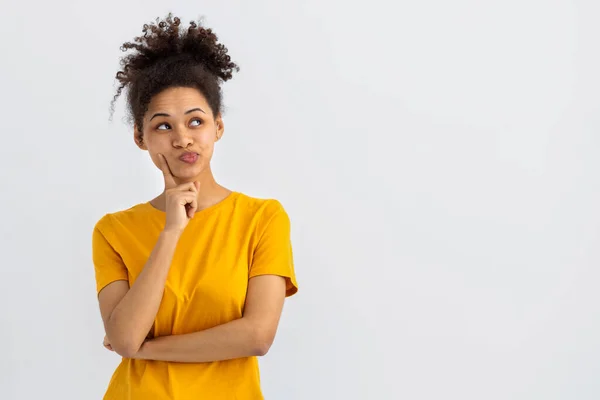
(220, 128)
(138, 138)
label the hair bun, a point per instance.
(166, 55)
(164, 39)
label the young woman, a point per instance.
(191, 284)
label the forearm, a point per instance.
(236, 339)
(132, 318)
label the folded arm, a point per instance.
(128, 313)
(251, 335)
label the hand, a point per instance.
(106, 343)
(181, 200)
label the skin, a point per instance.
(180, 120)
(197, 131)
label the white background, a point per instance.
(439, 161)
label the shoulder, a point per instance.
(264, 208)
(265, 215)
(126, 216)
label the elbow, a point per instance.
(262, 341)
(261, 348)
(126, 350)
(123, 343)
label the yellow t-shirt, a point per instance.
(221, 248)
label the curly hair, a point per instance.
(167, 55)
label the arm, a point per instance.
(251, 335)
(128, 313)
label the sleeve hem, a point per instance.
(107, 282)
(291, 287)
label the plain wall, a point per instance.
(439, 162)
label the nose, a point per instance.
(182, 138)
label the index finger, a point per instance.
(164, 167)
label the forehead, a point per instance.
(177, 101)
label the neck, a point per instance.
(209, 194)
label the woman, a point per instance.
(191, 284)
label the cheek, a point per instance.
(206, 142)
(154, 159)
(155, 146)
(153, 152)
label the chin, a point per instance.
(189, 173)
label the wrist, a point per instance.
(171, 233)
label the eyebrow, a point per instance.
(167, 115)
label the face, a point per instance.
(180, 125)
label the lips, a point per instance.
(189, 157)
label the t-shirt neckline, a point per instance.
(206, 210)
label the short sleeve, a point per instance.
(273, 252)
(108, 265)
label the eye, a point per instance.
(197, 122)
